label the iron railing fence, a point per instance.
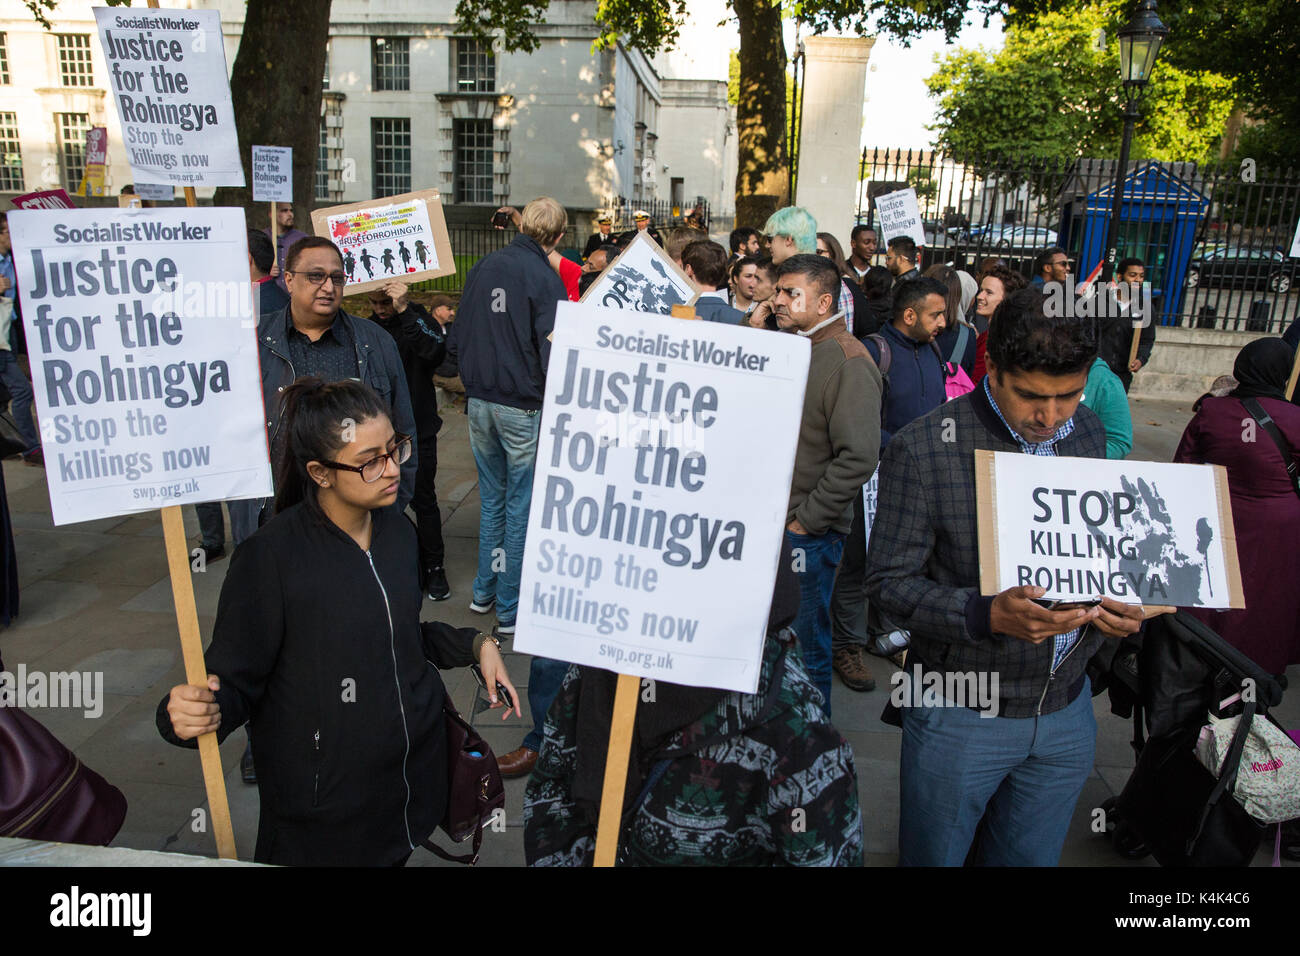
(1215, 237)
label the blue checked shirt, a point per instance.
(1062, 642)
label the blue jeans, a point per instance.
(818, 555)
(544, 679)
(20, 390)
(1021, 776)
(504, 442)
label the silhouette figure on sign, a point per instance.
(387, 260)
(368, 261)
(405, 253)
(422, 253)
(350, 264)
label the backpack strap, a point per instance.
(959, 349)
(1228, 775)
(886, 353)
(1266, 422)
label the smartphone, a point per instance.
(502, 693)
(500, 219)
(1059, 605)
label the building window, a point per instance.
(72, 129)
(325, 80)
(473, 160)
(74, 60)
(4, 59)
(391, 60)
(323, 162)
(476, 67)
(11, 154)
(392, 156)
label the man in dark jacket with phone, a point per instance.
(502, 344)
(1020, 763)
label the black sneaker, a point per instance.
(435, 584)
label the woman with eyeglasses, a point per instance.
(318, 646)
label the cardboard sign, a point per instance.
(652, 502)
(642, 279)
(167, 73)
(44, 199)
(272, 174)
(900, 216)
(1140, 532)
(401, 237)
(92, 180)
(144, 357)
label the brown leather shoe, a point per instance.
(851, 664)
(517, 763)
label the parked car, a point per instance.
(1230, 265)
(1023, 239)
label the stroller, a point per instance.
(1169, 678)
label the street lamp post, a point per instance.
(1139, 45)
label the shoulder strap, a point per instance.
(1266, 422)
(1228, 774)
(963, 336)
(886, 353)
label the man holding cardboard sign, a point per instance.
(1019, 762)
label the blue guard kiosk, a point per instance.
(1158, 222)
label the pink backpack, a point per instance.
(956, 382)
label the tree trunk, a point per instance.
(276, 88)
(762, 175)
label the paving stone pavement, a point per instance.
(96, 596)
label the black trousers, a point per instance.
(428, 519)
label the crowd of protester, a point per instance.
(898, 353)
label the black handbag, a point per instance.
(475, 790)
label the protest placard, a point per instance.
(272, 174)
(143, 357)
(870, 497)
(900, 216)
(385, 239)
(642, 279)
(44, 199)
(155, 192)
(167, 73)
(1140, 532)
(1295, 242)
(653, 507)
(92, 179)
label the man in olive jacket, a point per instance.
(839, 443)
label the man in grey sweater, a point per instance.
(839, 443)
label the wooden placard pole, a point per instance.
(275, 232)
(620, 739)
(1133, 349)
(620, 746)
(1295, 374)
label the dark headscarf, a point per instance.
(1262, 368)
(675, 706)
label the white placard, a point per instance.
(1295, 242)
(657, 518)
(642, 279)
(1141, 532)
(144, 357)
(155, 192)
(870, 496)
(272, 174)
(167, 73)
(900, 216)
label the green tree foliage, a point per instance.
(1053, 91)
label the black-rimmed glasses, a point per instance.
(373, 470)
(318, 278)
